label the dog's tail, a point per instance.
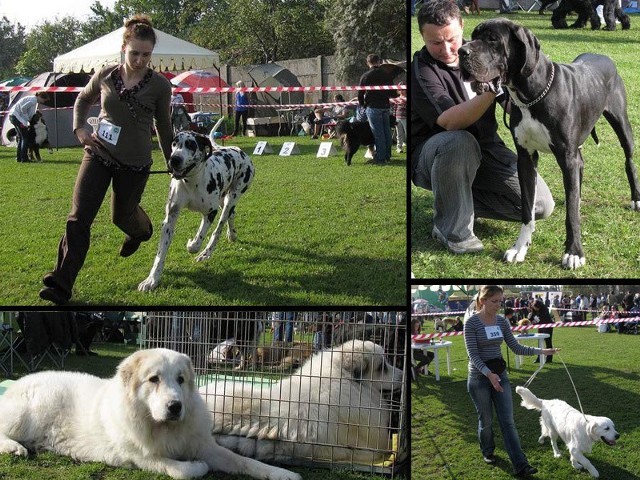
(529, 400)
(594, 135)
(214, 130)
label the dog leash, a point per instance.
(528, 382)
(573, 384)
(113, 162)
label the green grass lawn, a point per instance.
(608, 224)
(55, 467)
(311, 231)
(606, 372)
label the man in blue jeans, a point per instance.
(376, 103)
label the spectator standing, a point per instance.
(540, 315)
(283, 327)
(399, 110)
(20, 116)
(376, 103)
(242, 109)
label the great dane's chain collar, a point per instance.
(519, 104)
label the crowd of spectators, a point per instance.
(565, 307)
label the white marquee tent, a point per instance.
(170, 53)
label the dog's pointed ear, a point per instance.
(528, 48)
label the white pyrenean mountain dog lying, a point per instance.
(332, 408)
(579, 432)
(149, 415)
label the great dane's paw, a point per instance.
(572, 262)
(148, 284)
(635, 205)
(232, 235)
(515, 255)
(193, 245)
(203, 256)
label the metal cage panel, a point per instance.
(305, 388)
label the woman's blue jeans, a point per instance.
(486, 398)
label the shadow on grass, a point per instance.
(598, 398)
(370, 281)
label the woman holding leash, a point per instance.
(132, 97)
(488, 381)
(20, 116)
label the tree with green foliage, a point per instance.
(12, 39)
(101, 22)
(246, 32)
(361, 27)
(47, 41)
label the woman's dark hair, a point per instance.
(438, 12)
(139, 27)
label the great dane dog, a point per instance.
(204, 176)
(554, 109)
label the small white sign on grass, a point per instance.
(262, 147)
(289, 148)
(325, 149)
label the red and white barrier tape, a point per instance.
(446, 314)
(427, 336)
(292, 106)
(221, 89)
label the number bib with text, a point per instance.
(493, 332)
(109, 132)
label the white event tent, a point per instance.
(170, 53)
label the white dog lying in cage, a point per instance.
(332, 408)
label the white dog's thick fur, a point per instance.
(334, 399)
(149, 415)
(579, 432)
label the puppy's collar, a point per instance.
(519, 104)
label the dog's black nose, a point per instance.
(175, 161)
(174, 407)
(463, 51)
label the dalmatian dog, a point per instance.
(205, 177)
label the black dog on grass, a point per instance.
(353, 134)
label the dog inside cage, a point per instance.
(307, 388)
